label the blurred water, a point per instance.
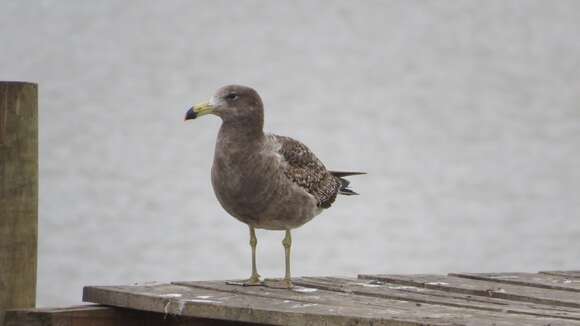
(464, 113)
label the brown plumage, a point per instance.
(306, 170)
(264, 180)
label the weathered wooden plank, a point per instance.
(237, 306)
(18, 194)
(429, 296)
(545, 281)
(94, 315)
(484, 288)
(348, 301)
(567, 274)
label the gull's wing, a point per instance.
(305, 169)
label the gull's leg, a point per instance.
(287, 243)
(255, 277)
(285, 283)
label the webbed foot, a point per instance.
(254, 280)
(278, 284)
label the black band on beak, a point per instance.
(190, 114)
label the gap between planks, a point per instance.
(484, 288)
(369, 300)
(352, 286)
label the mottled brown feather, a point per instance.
(308, 172)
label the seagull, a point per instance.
(264, 180)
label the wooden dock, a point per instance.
(545, 298)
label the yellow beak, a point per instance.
(198, 110)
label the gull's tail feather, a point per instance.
(344, 189)
(341, 174)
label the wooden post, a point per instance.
(18, 194)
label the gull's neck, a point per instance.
(240, 134)
(242, 128)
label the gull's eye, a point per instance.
(231, 97)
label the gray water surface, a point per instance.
(465, 114)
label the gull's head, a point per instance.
(231, 103)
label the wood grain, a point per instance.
(484, 288)
(18, 194)
(310, 305)
(566, 274)
(95, 315)
(368, 300)
(430, 296)
(539, 280)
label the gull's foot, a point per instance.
(278, 284)
(252, 281)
